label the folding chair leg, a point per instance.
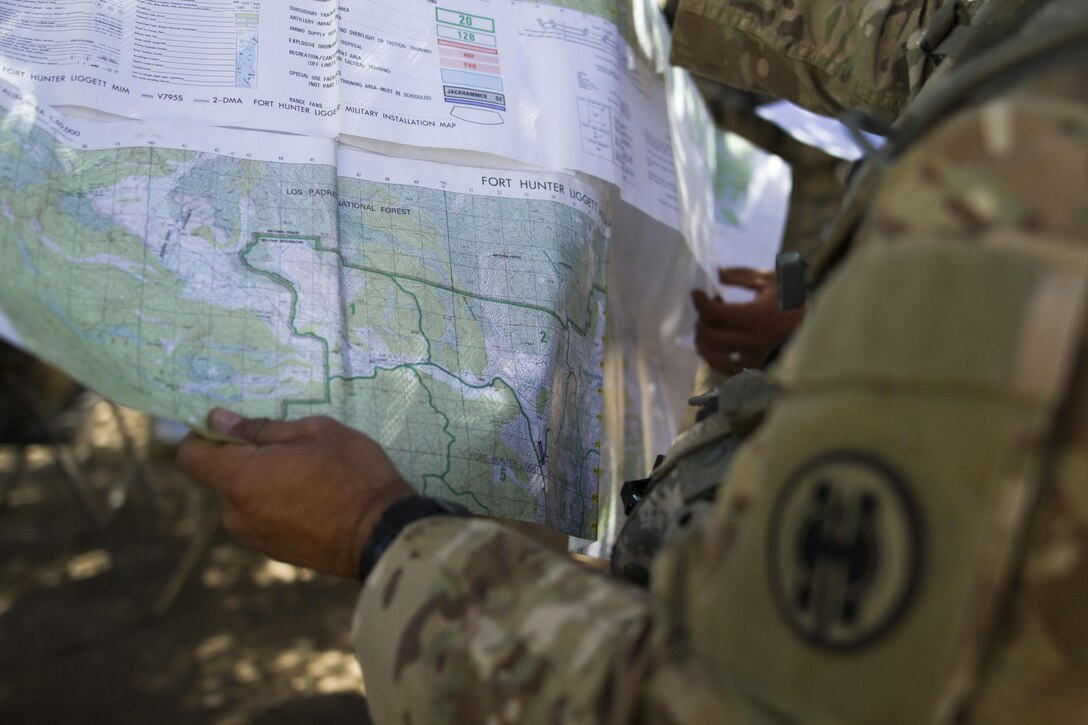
(77, 487)
(198, 547)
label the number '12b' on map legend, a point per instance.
(471, 76)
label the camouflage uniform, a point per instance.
(825, 55)
(934, 420)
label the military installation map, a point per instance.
(454, 314)
(558, 85)
(215, 237)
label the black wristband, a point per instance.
(393, 521)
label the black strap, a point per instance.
(395, 519)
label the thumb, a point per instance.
(702, 300)
(258, 431)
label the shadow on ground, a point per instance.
(247, 640)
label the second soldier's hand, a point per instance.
(749, 331)
(308, 492)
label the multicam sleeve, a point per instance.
(469, 622)
(825, 55)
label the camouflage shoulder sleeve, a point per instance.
(825, 55)
(470, 622)
(1014, 171)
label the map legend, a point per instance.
(469, 59)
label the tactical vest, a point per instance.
(962, 29)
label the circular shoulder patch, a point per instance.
(843, 550)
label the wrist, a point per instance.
(369, 517)
(394, 519)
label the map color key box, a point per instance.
(469, 60)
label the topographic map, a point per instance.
(456, 319)
(229, 245)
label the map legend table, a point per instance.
(469, 57)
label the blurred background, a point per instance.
(121, 598)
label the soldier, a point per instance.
(832, 57)
(904, 538)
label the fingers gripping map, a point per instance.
(459, 327)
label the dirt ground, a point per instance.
(247, 640)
